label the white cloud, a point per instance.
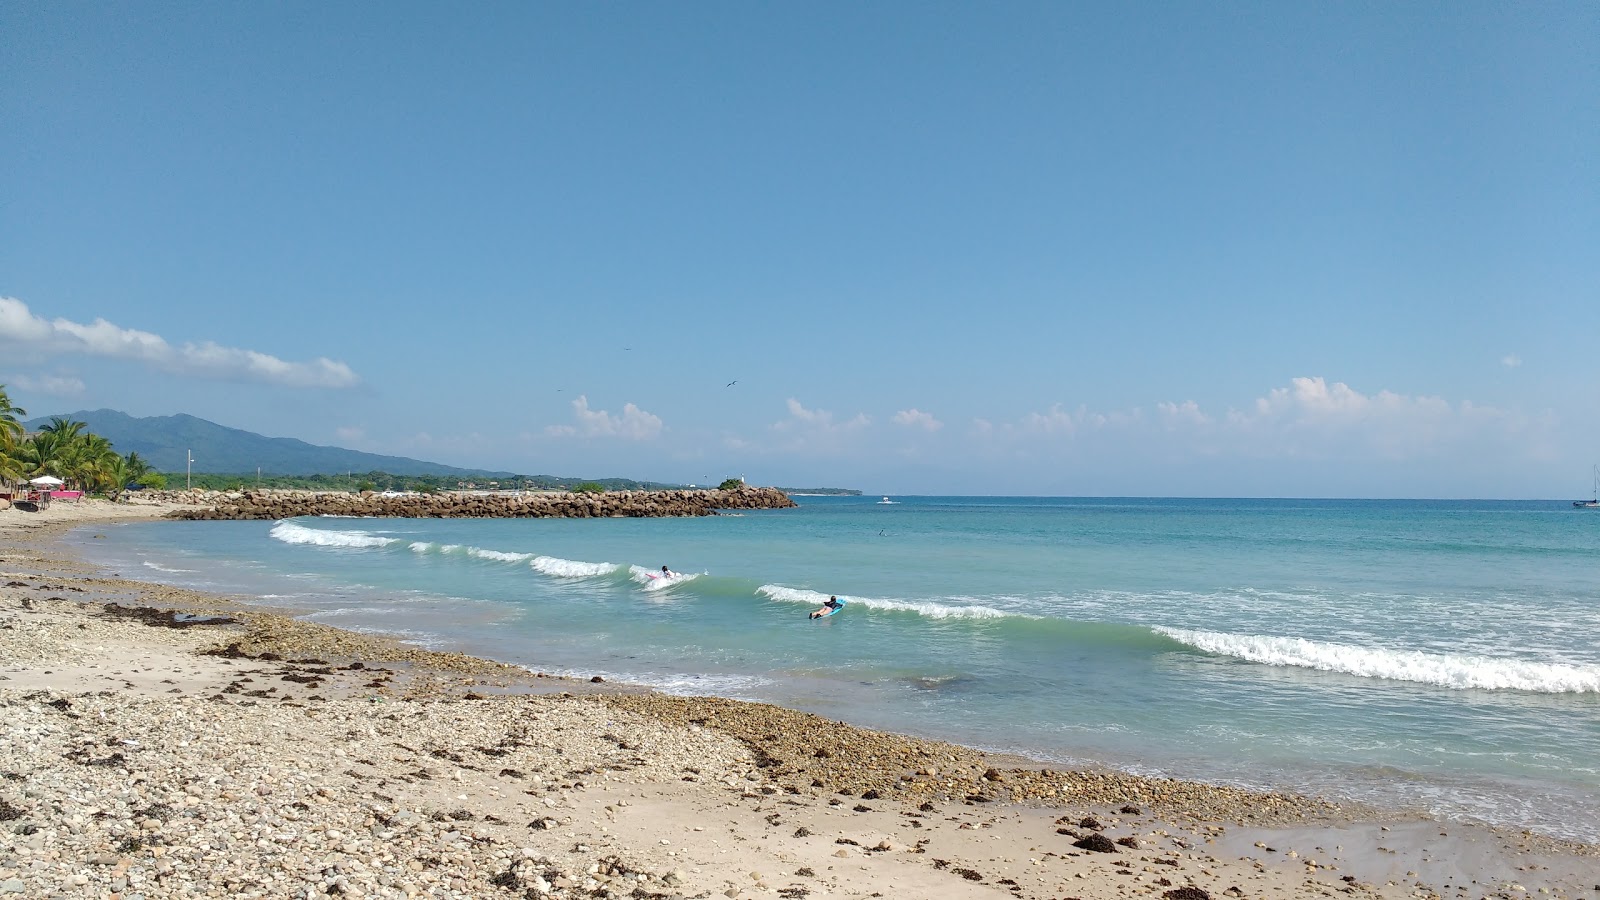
(632, 424)
(817, 420)
(1310, 418)
(811, 431)
(916, 418)
(1314, 419)
(1054, 421)
(56, 385)
(1312, 401)
(1187, 413)
(1511, 360)
(207, 359)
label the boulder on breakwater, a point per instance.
(280, 504)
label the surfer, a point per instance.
(666, 572)
(827, 608)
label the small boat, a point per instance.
(1595, 503)
(886, 500)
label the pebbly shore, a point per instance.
(160, 743)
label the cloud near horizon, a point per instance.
(207, 359)
(1308, 418)
(55, 385)
(812, 430)
(632, 424)
(916, 418)
(817, 420)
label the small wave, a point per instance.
(928, 608)
(653, 580)
(427, 640)
(1457, 671)
(736, 686)
(498, 555)
(292, 533)
(739, 687)
(421, 546)
(160, 568)
(340, 611)
(557, 567)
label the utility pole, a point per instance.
(188, 472)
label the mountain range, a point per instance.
(166, 441)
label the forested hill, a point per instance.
(166, 441)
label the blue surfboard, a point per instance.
(834, 610)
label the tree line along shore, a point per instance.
(83, 461)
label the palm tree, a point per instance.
(46, 453)
(11, 429)
(90, 462)
(126, 470)
(11, 432)
(67, 428)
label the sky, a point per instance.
(1082, 249)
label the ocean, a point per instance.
(1440, 656)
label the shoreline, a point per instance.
(786, 792)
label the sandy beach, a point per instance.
(159, 742)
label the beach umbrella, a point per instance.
(46, 480)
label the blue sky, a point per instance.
(1119, 249)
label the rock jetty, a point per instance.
(278, 504)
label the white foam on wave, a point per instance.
(1451, 670)
(557, 567)
(421, 546)
(928, 608)
(293, 533)
(160, 568)
(497, 555)
(653, 580)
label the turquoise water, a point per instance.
(1414, 654)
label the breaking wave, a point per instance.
(653, 580)
(1451, 670)
(498, 555)
(570, 568)
(292, 533)
(928, 608)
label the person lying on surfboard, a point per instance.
(826, 608)
(666, 572)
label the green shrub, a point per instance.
(589, 487)
(731, 484)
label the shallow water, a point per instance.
(1441, 655)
